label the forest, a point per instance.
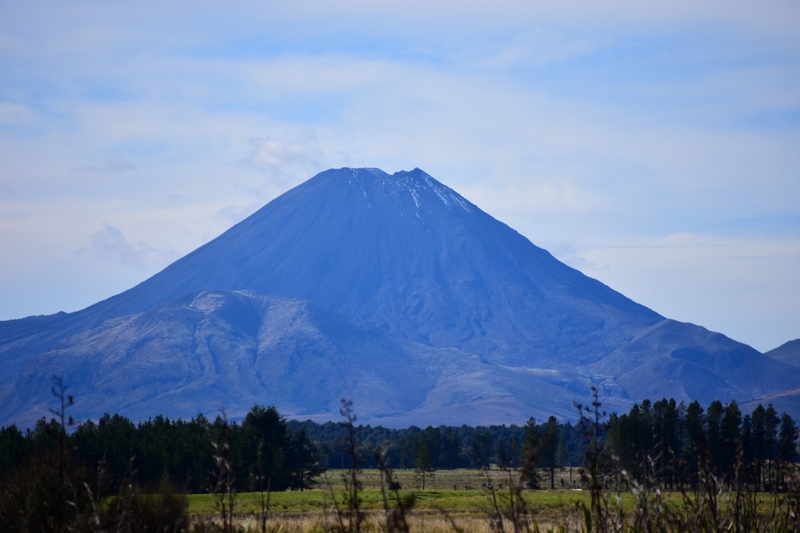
(674, 446)
(664, 439)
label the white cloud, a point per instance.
(285, 161)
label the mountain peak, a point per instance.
(407, 285)
(415, 186)
(407, 254)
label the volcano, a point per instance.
(391, 290)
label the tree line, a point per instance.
(260, 451)
(666, 440)
(672, 442)
(448, 447)
(267, 452)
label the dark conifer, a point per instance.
(549, 448)
(530, 451)
(730, 434)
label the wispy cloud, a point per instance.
(111, 244)
(112, 165)
(15, 115)
(540, 47)
(284, 161)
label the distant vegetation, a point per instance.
(96, 476)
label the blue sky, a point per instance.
(652, 146)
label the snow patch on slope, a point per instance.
(416, 183)
(445, 194)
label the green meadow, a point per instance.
(462, 491)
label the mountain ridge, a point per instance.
(788, 352)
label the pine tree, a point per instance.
(530, 452)
(759, 443)
(694, 448)
(730, 434)
(451, 448)
(263, 440)
(713, 433)
(501, 453)
(480, 447)
(788, 439)
(304, 460)
(423, 465)
(549, 447)
(771, 423)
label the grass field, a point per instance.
(462, 494)
(317, 500)
(456, 490)
(459, 493)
